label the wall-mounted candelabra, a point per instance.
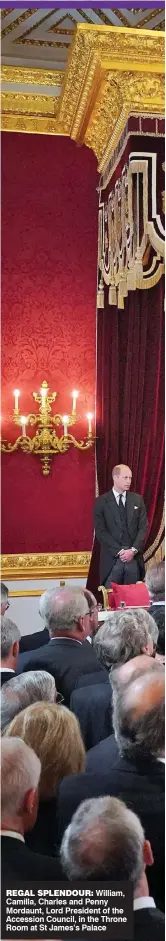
(46, 442)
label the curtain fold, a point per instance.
(130, 402)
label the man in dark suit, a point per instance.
(10, 637)
(137, 775)
(120, 525)
(155, 582)
(106, 841)
(34, 641)
(20, 769)
(92, 706)
(66, 656)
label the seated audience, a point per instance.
(4, 598)
(155, 581)
(126, 634)
(54, 734)
(66, 655)
(22, 691)
(105, 841)
(20, 774)
(10, 636)
(137, 773)
(104, 753)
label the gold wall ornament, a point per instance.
(46, 442)
(45, 565)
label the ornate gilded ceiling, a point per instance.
(80, 72)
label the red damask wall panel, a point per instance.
(49, 262)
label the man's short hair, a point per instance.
(20, 771)
(104, 840)
(90, 598)
(22, 690)
(62, 608)
(139, 715)
(124, 636)
(155, 580)
(4, 593)
(9, 634)
(116, 471)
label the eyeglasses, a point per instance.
(7, 605)
(59, 699)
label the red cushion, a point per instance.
(133, 595)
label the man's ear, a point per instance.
(15, 649)
(31, 801)
(81, 625)
(147, 853)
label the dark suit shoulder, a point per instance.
(149, 924)
(103, 496)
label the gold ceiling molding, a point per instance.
(28, 76)
(24, 105)
(110, 73)
(45, 565)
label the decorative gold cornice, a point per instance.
(20, 104)
(45, 565)
(111, 72)
(28, 76)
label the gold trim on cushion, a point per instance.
(45, 565)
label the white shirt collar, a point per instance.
(145, 901)
(67, 638)
(118, 495)
(13, 834)
(162, 760)
(6, 670)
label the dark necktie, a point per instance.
(122, 509)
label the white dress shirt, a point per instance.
(6, 670)
(64, 637)
(145, 901)
(13, 834)
(118, 495)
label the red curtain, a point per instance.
(130, 401)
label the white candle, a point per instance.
(43, 393)
(16, 398)
(75, 397)
(89, 417)
(65, 420)
(23, 423)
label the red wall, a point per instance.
(49, 262)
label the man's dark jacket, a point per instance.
(108, 528)
(66, 659)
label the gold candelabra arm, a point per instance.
(81, 445)
(22, 442)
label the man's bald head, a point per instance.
(126, 672)
(122, 477)
(139, 715)
(63, 610)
